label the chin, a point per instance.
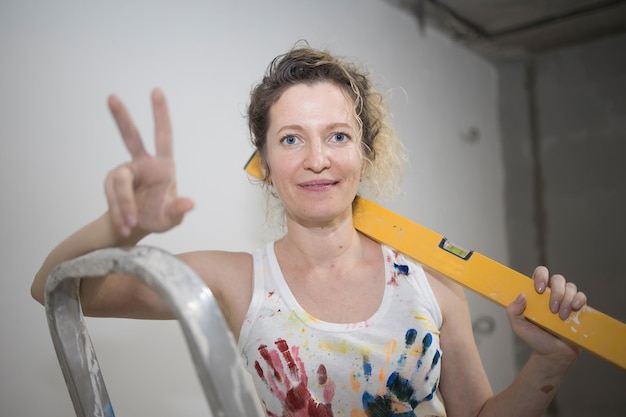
(324, 215)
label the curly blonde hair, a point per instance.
(381, 147)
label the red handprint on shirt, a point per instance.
(288, 381)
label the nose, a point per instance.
(317, 158)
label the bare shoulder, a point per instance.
(229, 276)
(216, 259)
(448, 293)
(220, 269)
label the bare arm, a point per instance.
(95, 235)
(537, 383)
(464, 384)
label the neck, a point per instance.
(321, 245)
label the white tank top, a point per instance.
(388, 365)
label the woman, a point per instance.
(329, 322)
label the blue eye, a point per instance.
(340, 137)
(290, 140)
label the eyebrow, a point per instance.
(332, 126)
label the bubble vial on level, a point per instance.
(455, 250)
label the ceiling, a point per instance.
(513, 29)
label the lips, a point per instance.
(321, 184)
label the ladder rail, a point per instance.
(226, 384)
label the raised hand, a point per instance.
(564, 299)
(142, 193)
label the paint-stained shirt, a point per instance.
(388, 365)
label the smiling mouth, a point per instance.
(318, 185)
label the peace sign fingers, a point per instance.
(162, 124)
(142, 192)
(127, 128)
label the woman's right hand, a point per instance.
(141, 193)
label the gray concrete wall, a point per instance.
(563, 122)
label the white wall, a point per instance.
(59, 61)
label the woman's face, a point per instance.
(314, 153)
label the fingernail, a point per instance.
(519, 299)
(541, 287)
(565, 313)
(576, 304)
(554, 306)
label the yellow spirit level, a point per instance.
(588, 328)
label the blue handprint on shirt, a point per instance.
(409, 384)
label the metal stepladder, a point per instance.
(226, 383)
